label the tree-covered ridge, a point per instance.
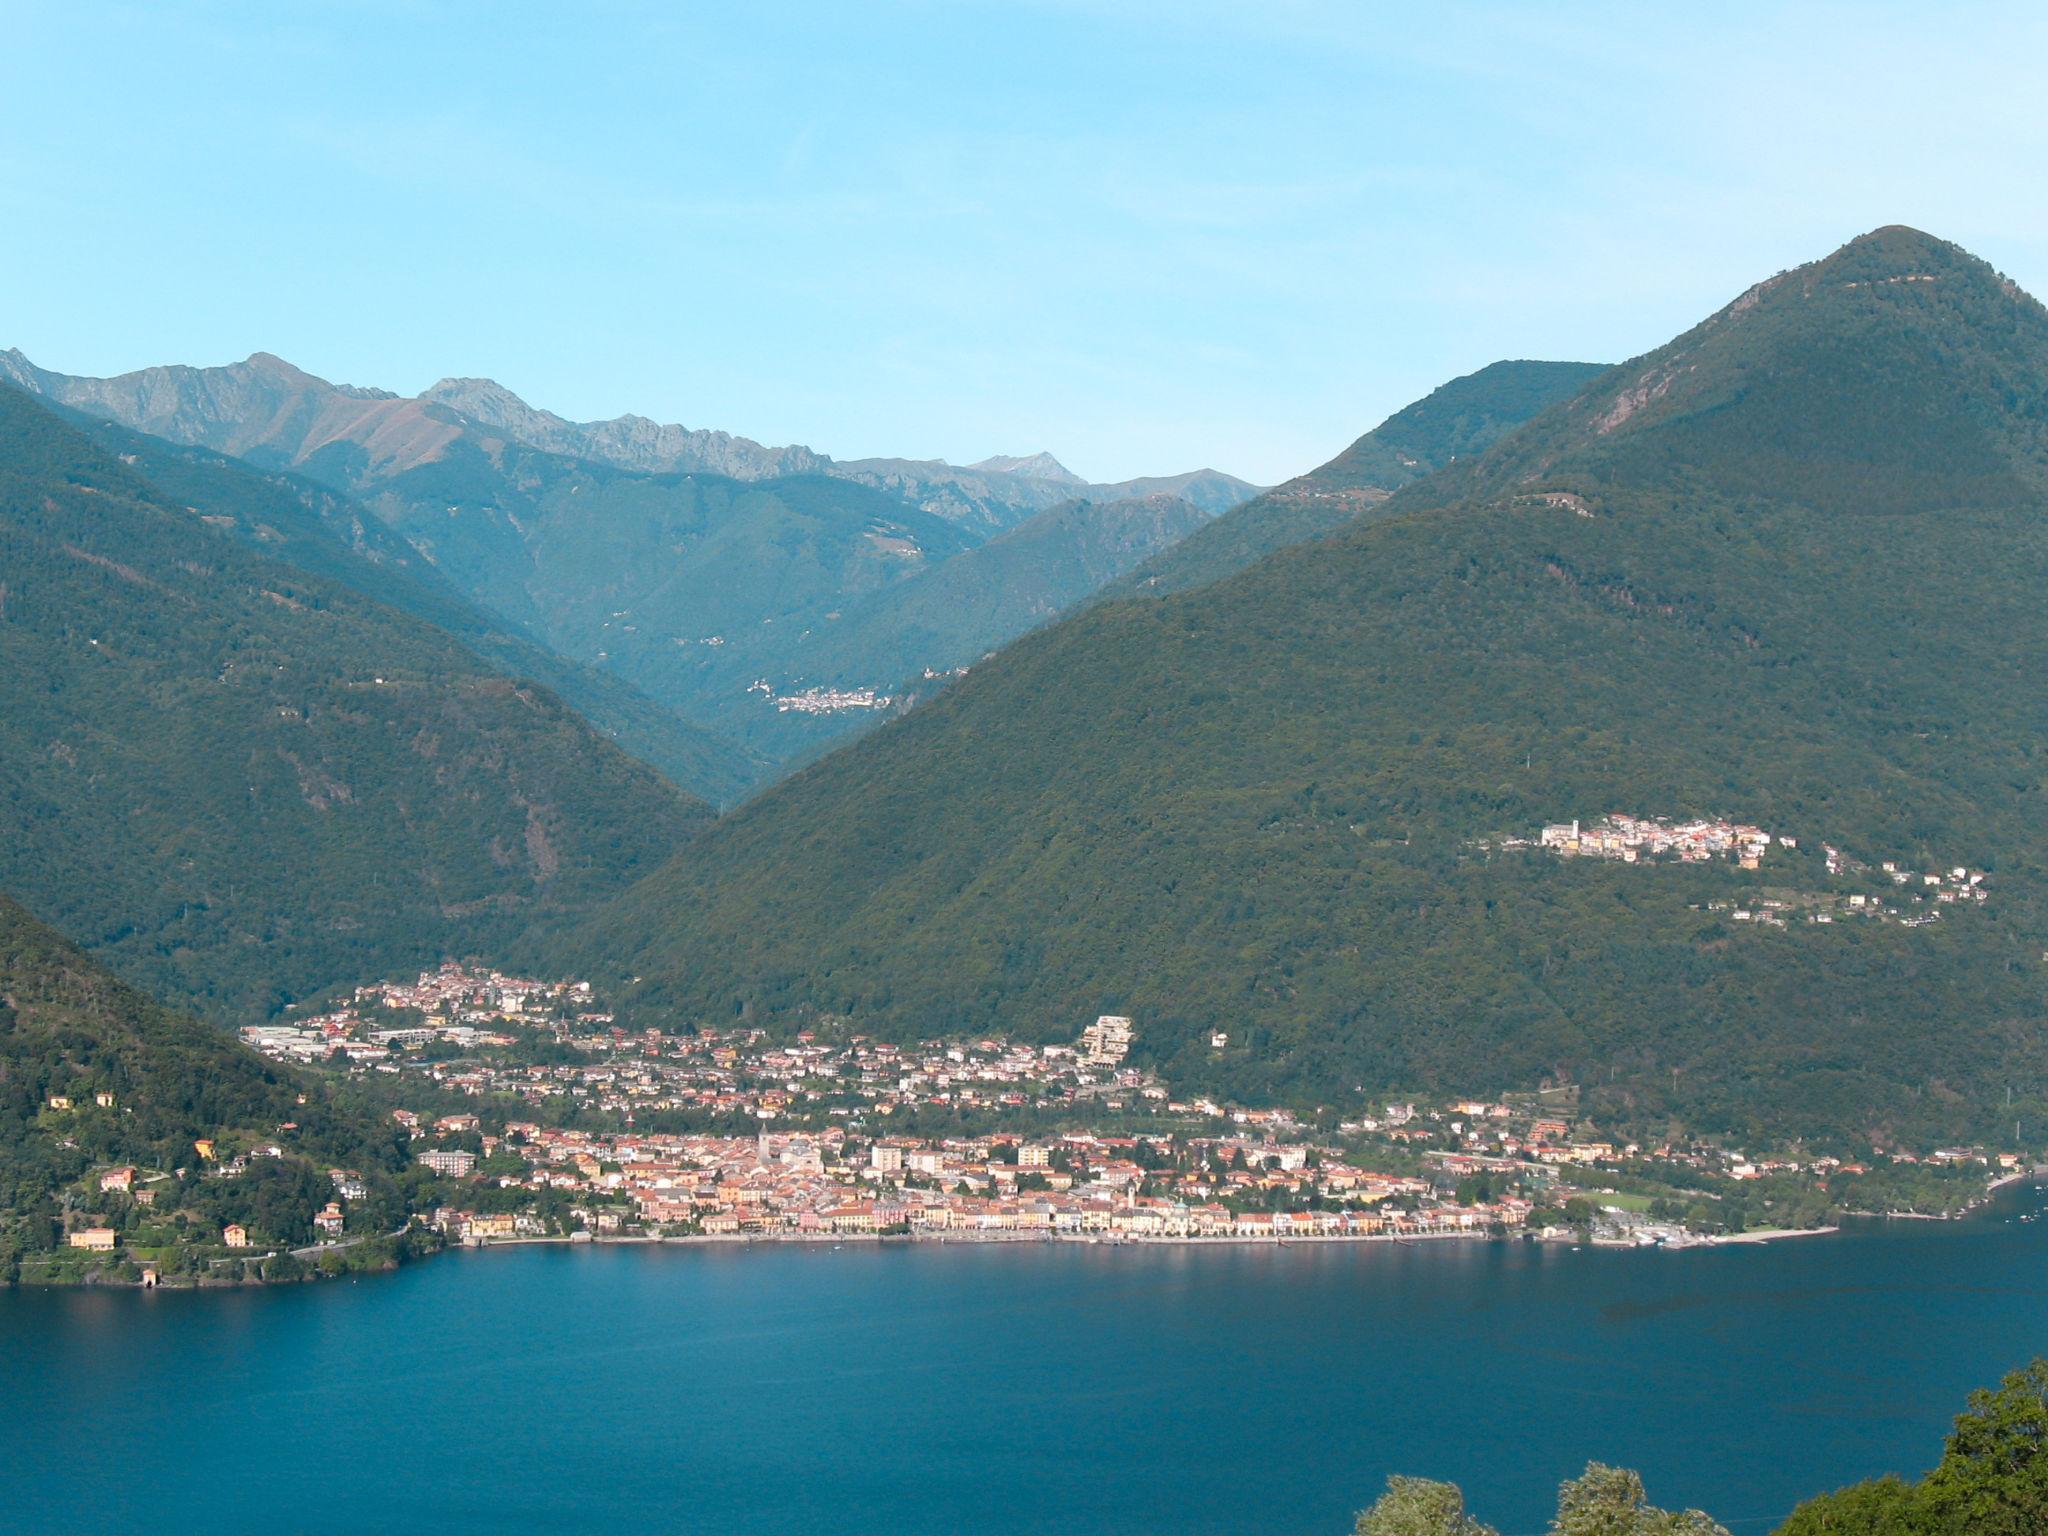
(1458, 419)
(94, 1073)
(329, 535)
(1253, 807)
(237, 781)
(1900, 373)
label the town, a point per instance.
(821, 701)
(585, 1127)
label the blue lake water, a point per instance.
(909, 1389)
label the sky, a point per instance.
(1146, 237)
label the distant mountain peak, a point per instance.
(1036, 466)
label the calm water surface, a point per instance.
(1034, 1388)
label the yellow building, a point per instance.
(98, 1239)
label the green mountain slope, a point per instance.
(70, 1031)
(238, 782)
(1785, 570)
(689, 567)
(330, 535)
(1459, 419)
(690, 587)
(956, 613)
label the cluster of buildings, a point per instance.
(1629, 838)
(825, 701)
(465, 1007)
(632, 1072)
(731, 1133)
(834, 1183)
(1920, 900)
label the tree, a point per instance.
(1993, 1480)
(1415, 1506)
(1609, 1501)
(1883, 1507)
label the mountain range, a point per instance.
(1268, 782)
(690, 566)
(1784, 570)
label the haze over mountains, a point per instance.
(691, 565)
(1785, 569)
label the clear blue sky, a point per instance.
(1144, 236)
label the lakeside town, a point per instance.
(525, 1110)
(579, 1133)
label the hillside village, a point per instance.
(1893, 891)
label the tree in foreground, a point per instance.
(1609, 1501)
(1602, 1501)
(1992, 1479)
(1415, 1506)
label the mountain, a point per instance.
(238, 781)
(1036, 466)
(955, 613)
(625, 442)
(276, 415)
(686, 567)
(332, 536)
(1454, 421)
(70, 1031)
(1785, 570)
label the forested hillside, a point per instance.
(70, 1033)
(954, 614)
(1461, 418)
(332, 536)
(237, 781)
(1785, 570)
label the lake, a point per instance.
(907, 1389)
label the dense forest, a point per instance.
(1785, 570)
(329, 535)
(238, 780)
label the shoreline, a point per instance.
(1755, 1238)
(1103, 1240)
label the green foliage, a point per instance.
(1602, 1501)
(1253, 806)
(1609, 1501)
(1414, 1506)
(239, 782)
(1884, 1506)
(1992, 1479)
